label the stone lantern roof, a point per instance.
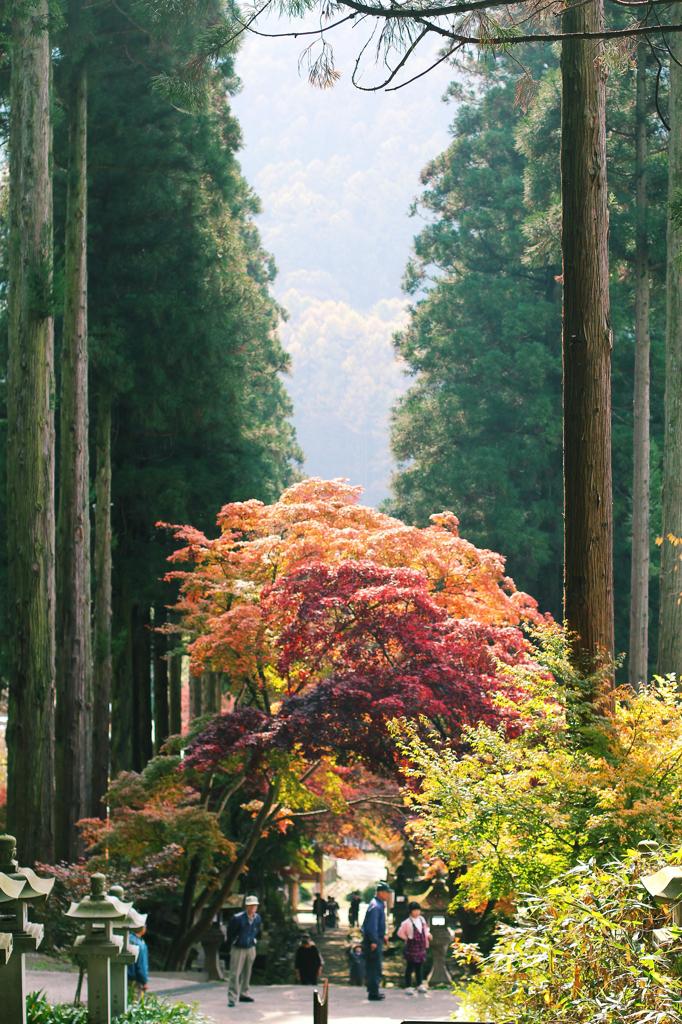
(98, 906)
(33, 887)
(665, 885)
(10, 888)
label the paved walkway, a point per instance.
(274, 1004)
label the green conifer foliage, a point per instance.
(183, 326)
(479, 431)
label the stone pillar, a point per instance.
(99, 987)
(118, 977)
(440, 944)
(211, 942)
(13, 988)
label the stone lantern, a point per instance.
(99, 946)
(128, 955)
(19, 887)
(212, 941)
(435, 902)
(665, 887)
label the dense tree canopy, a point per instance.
(323, 620)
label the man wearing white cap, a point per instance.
(243, 931)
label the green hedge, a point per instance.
(150, 1010)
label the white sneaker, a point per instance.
(409, 992)
(423, 989)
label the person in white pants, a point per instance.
(244, 931)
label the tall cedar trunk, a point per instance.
(74, 654)
(142, 686)
(196, 688)
(161, 722)
(175, 694)
(639, 579)
(102, 667)
(670, 631)
(588, 556)
(122, 684)
(211, 693)
(30, 441)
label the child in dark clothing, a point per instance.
(308, 962)
(356, 965)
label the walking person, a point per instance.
(244, 930)
(374, 939)
(332, 912)
(415, 933)
(308, 962)
(319, 910)
(354, 909)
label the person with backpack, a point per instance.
(243, 932)
(415, 933)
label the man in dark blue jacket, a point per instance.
(243, 931)
(374, 939)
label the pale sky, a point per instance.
(336, 171)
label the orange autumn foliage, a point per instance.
(321, 521)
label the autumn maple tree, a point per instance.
(325, 620)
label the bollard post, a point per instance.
(19, 887)
(99, 946)
(321, 1004)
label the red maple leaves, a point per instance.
(329, 619)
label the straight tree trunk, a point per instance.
(211, 693)
(588, 554)
(122, 712)
(670, 623)
(196, 688)
(639, 580)
(102, 669)
(30, 440)
(175, 694)
(74, 657)
(161, 711)
(142, 686)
